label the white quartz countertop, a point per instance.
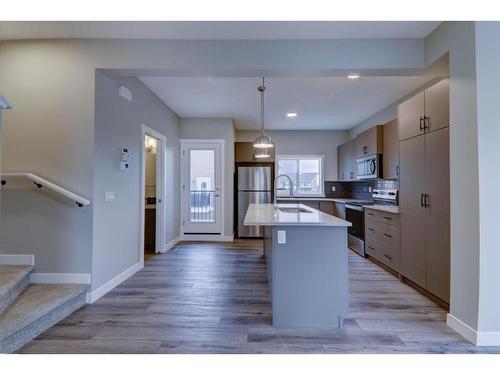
(267, 215)
(384, 208)
(320, 199)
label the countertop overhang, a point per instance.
(269, 215)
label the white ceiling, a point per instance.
(321, 102)
(217, 29)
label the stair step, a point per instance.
(13, 279)
(36, 309)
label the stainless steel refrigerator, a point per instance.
(254, 185)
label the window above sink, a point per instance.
(306, 173)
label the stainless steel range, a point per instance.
(354, 211)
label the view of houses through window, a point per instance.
(306, 173)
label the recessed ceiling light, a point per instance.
(291, 114)
(353, 76)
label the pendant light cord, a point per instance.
(261, 89)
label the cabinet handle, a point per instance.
(388, 257)
(397, 170)
(422, 200)
(426, 196)
(369, 213)
(371, 229)
(365, 150)
(421, 123)
(426, 121)
(371, 248)
(387, 235)
(388, 218)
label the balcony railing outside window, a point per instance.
(202, 206)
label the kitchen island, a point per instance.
(306, 256)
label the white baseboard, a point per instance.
(478, 338)
(171, 244)
(114, 282)
(17, 260)
(207, 237)
(60, 278)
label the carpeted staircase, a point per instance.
(27, 310)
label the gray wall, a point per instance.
(302, 142)
(46, 225)
(488, 94)
(116, 235)
(458, 38)
(212, 128)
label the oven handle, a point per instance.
(353, 207)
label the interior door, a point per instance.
(201, 188)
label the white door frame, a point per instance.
(161, 208)
(206, 237)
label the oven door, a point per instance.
(356, 233)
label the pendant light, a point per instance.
(263, 141)
(262, 153)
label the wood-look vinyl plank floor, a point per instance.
(214, 298)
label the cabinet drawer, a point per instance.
(374, 216)
(382, 241)
(383, 252)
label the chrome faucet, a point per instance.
(276, 187)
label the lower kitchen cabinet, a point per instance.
(326, 207)
(382, 237)
(438, 255)
(413, 240)
(339, 210)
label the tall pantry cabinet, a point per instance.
(424, 179)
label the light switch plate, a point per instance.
(109, 196)
(281, 237)
(333, 188)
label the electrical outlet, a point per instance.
(369, 189)
(333, 188)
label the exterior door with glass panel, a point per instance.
(201, 188)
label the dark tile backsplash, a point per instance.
(357, 189)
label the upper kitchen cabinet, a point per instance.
(391, 150)
(370, 142)
(427, 111)
(346, 161)
(410, 116)
(437, 107)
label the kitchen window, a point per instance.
(306, 173)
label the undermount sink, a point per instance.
(293, 209)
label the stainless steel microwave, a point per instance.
(369, 167)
